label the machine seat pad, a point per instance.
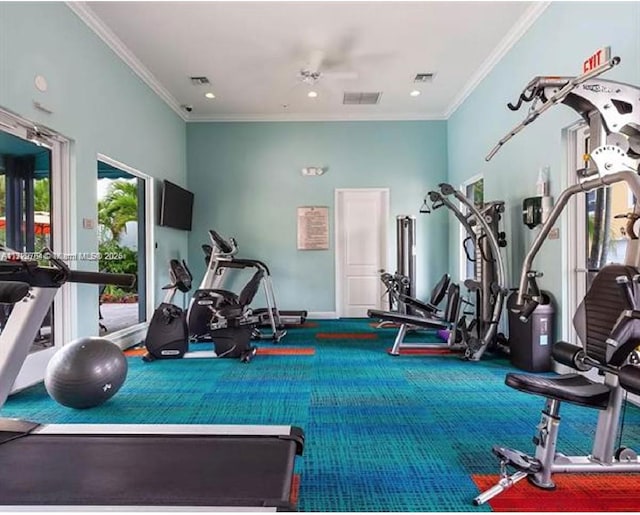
(573, 388)
(12, 292)
(418, 304)
(399, 318)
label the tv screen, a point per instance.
(176, 207)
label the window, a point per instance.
(604, 223)
(474, 190)
(122, 245)
(26, 210)
(606, 238)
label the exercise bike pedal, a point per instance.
(248, 355)
(148, 358)
(517, 460)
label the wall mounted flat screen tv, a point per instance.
(176, 207)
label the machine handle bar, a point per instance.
(558, 97)
(528, 309)
(225, 246)
(80, 276)
(466, 249)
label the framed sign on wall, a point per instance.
(313, 228)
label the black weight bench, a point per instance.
(449, 321)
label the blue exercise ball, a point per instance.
(85, 373)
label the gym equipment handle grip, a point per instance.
(528, 310)
(79, 276)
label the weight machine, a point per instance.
(481, 224)
(608, 320)
(474, 338)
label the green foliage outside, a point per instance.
(119, 206)
(117, 259)
(478, 192)
(41, 195)
(41, 203)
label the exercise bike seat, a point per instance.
(572, 388)
(13, 292)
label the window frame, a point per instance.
(131, 335)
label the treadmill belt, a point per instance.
(130, 470)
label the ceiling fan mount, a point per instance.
(309, 77)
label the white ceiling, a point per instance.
(253, 51)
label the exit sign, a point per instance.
(600, 56)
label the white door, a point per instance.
(361, 250)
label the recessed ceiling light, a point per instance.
(312, 94)
(415, 93)
(209, 95)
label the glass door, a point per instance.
(28, 224)
(601, 223)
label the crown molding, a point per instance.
(89, 17)
(506, 44)
(307, 117)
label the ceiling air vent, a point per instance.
(361, 98)
(424, 77)
(199, 81)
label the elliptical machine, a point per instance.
(220, 257)
(229, 328)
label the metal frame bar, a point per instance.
(136, 509)
(490, 333)
(18, 334)
(399, 343)
(631, 178)
(558, 97)
(162, 429)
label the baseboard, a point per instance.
(322, 315)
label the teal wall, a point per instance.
(246, 176)
(101, 105)
(564, 35)
(247, 183)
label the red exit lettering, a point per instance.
(598, 58)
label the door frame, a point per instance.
(574, 287)
(131, 335)
(337, 225)
(62, 191)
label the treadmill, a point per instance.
(125, 467)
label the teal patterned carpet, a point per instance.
(382, 433)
